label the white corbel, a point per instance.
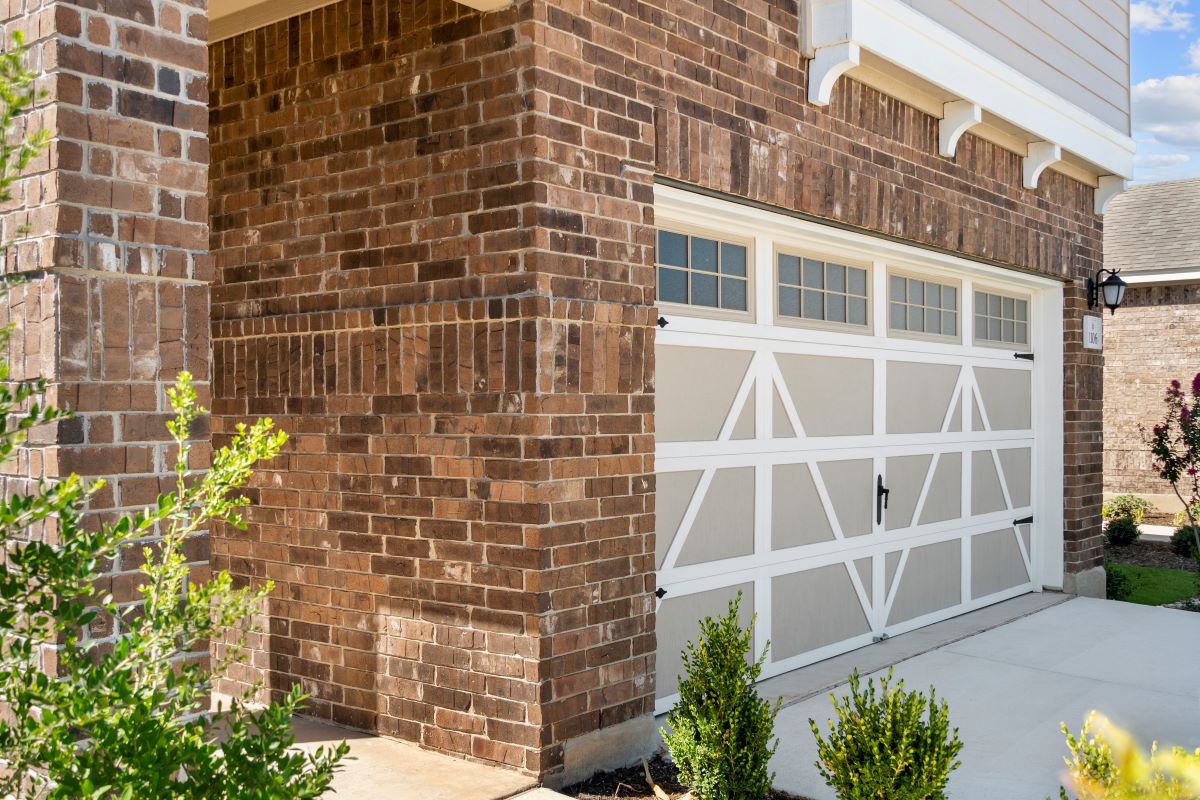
(1110, 186)
(829, 64)
(957, 117)
(1041, 155)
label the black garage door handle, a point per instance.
(881, 499)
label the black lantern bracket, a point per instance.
(1111, 290)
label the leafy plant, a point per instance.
(720, 732)
(1122, 531)
(1126, 505)
(1183, 540)
(1181, 517)
(1117, 583)
(133, 720)
(887, 745)
(1105, 763)
(1175, 445)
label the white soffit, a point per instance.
(228, 18)
(843, 32)
(1181, 276)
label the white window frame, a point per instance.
(692, 231)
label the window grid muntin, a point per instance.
(821, 291)
(706, 262)
(916, 306)
(1001, 319)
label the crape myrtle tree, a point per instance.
(1175, 445)
(131, 719)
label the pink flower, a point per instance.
(1192, 471)
(1175, 384)
(1185, 416)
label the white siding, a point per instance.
(1078, 49)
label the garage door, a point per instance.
(845, 435)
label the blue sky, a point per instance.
(1165, 73)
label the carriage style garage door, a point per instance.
(859, 436)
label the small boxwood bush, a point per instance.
(1126, 505)
(1117, 583)
(720, 733)
(1183, 541)
(1122, 531)
(888, 744)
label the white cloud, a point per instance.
(1169, 108)
(1160, 160)
(1193, 54)
(1159, 15)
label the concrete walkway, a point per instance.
(385, 769)
(1009, 688)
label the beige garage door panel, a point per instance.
(768, 464)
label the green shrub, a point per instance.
(1108, 765)
(1183, 540)
(1122, 531)
(1117, 583)
(1126, 505)
(133, 720)
(888, 745)
(1181, 517)
(721, 731)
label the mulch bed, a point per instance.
(630, 784)
(1158, 518)
(1144, 553)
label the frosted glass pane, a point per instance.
(857, 280)
(672, 285)
(733, 259)
(789, 302)
(704, 290)
(733, 294)
(672, 249)
(858, 310)
(789, 270)
(704, 254)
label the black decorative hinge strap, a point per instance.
(660, 593)
(1024, 520)
(1024, 356)
(662, 322)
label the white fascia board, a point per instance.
(1146, 278)
(918, 45)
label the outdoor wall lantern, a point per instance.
(1112, 287)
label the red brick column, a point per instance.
(116, 301)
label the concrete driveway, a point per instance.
(1010, 686)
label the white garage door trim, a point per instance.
(762, 337)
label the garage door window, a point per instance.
(922, 306)
(822, 291)
(1001, 319)
(698, 271)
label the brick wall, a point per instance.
(1149, 342)
(433, 235)
(115, 302)
(459, 528)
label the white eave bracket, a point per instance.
(958, 116)
(1041, 155)
(829, 64)
(841, 33)
(486, 5)
(1110, 186)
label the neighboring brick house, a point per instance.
(583, 315)
(1154, 338)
